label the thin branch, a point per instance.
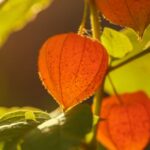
(95, 20)
(81, 29)
(143, 53)
(114, 89)
(96, 33)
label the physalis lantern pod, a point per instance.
(72, 67)
(126, 125)
(130, 13)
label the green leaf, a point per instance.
(14, 125)
(4, 110)
(135, 75)
(61, 133)
(131, 77)
(15, 122)
(138, 43)
(30, 116)
(15, 14)
(116, 43)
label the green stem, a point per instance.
(95, 20)
(81, 29)
(144, 52)
(114, 90)
(96, 33)
(97, 101)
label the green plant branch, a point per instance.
(140, 54)
(114, 89)
(95, 20)
(96, 33)
(97, 100)
(81, 29)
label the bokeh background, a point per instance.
(19, 81)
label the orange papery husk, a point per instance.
(129, 13)
(126, 124)
(72, 67)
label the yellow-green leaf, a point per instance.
(116, 43)
(135, 75)
(138, 43)
(29, 115)
(15, 14)
(132, 77)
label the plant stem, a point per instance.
(97, 101)
(95, 20)
(144, 52)
(81, 29)
(96, 33)
(114, 90)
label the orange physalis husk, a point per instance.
(130, 13)
(72, 67)
(126, 125)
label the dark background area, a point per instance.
(19, 81)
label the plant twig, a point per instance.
(81, 29)
(97, 100)
(95, 20)
(96, 33)
(114, 89)
(140, 54)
